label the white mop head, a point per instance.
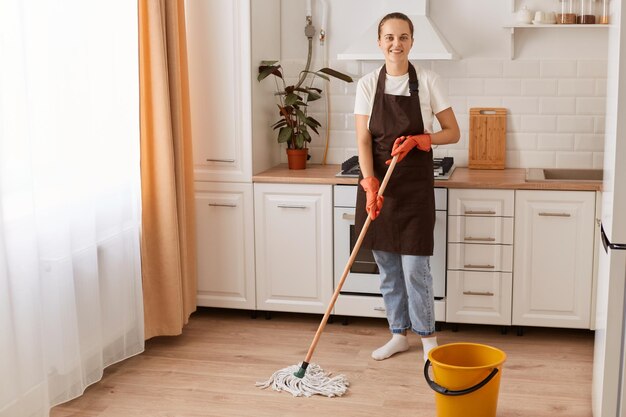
(315, 381)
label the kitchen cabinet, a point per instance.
(554, 243)
(225, 243)
(480, 256)
(220, 109)
(293, 244)
(219, 58)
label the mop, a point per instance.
(309, 379)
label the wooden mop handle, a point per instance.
(346, 270)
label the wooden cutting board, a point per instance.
(487, 138)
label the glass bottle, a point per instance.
(603, 15)
(566, 14)
(587, 12)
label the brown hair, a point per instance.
(395, 15)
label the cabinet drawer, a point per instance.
(479, 297)
(471, 202)
(344, 195)
(476, 257)
(372, 306)
(483, 230)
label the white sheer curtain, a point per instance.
(70, 276)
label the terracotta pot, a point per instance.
(296, 158)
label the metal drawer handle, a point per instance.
(486, 293)
(479, 266)
(555, 214)
(222, 205)
(291, 207)
(219, 160)
(480, 212)
(480, 239)
(347, 216)
(379, 308)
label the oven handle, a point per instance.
(348, 216)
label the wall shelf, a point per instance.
(521, 26)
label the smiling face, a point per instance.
(395, 39)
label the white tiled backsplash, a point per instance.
(555, 109)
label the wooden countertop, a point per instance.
(313, 174)
(510, 178)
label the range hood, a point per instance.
(429, 43)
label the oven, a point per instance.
(360, 294)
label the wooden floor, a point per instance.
(212, 368)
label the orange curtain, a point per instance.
(168, 239)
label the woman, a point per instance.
(394, 110)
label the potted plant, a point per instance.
(293, 100)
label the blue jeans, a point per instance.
(407, 288)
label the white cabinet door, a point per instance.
(294, 268)
(552, 278)
(218, 51)
(225, 240)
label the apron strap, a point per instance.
(380, 85)
(413, 82)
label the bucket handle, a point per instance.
(445, 391)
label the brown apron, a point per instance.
(406, 222)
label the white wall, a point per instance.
(265, 44)
(554, 89)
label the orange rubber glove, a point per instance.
(374, 201)
(404, 144)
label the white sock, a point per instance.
(428, 343)
(397, 343)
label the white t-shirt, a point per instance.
(431, 94)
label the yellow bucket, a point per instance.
(466, 379)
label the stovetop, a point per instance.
(443, 168)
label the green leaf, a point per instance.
(279, 124)
(264, 71)
(317, 74)
(291, 99)
(336, 74)
(284, 135)
(307, 135)
(314, 96)
(300, 115)
(312, 122)
(314, 128)
(299, 141)
(268, 63)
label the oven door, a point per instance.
(363, 277)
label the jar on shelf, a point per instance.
(603, 13)
(566, 14)
(587, 15)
